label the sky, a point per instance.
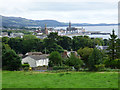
(76, 11)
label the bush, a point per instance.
(25, 65)
(10, 60)
(100, 67)
(111, 70)
(61, 68)
(74, 61)
(113, 63)
(26, 68)
(95, 58)
(55, 59)
(85, 53)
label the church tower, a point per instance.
(46, 31)
(69, 26)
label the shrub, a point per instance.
(113, 63)
(26, 68)
(74, 61)
(10, 60)
(85, 53)
(95, 59)
(25, 65)
(55, 59)
(100, 67)
(61, 68)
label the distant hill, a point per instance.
(23, 22)
(18, 22)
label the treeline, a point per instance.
(53, 42)
(18, 31)
(90, 57)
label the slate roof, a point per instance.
(102, 47)
(34, 53)
(38, 57)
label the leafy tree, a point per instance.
(65, 42)
(95, 58)
(53, 36)
(106, 42)
(85, 53)
(10, 60)
(55, 59)
(26, 44)
(31, 45)
(74, 61)
(99, 41)
(28, 37)
(5, 40)
(112, 46)
(52, 46)
(16, 44)
(81, 42)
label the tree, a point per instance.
(95, 58)
(85, 53)
(26, 44)
(16, 44)
(53, 36)
(10, 60)
(74, 61)
(28, 37)
(5, 40)
(112, 46)
(65, 42)
(55, 59)
(106, 42)
(52, 46)
(81, 42)
(118, 48)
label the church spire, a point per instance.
(69, 25)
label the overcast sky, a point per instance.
(76, 11)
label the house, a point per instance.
(34, 53)
(66, 54)
(102, 47)
(36, 60)
(13, 35)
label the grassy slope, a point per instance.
(0, 79)
(17, 79)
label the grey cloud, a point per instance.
(68, 6)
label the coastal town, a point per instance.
(59, 44)
(42, 32)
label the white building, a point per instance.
(36, 60)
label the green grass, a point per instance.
(19, 79)
(0, 79)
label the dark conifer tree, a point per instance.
(112, 46)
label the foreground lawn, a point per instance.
(0, 79)
(19, 79)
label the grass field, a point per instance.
(19, 79)
(0, 79)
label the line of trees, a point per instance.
(91, 57)
(53, 42)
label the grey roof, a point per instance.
(38, 57)
(102, 47)
(34, 53)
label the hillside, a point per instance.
(19, 22)
(23, 22)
